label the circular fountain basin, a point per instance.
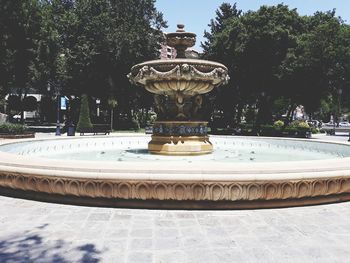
(118, 171)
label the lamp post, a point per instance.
(57, 90)
(98, 102)
(340, 92)
(57, 94)
(58, 122)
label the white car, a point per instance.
(344, 124)
(328, 124)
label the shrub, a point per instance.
(315, 130)
(135, 124)
(278, 124)
(84, 116)
(11, 128)
(299, 124)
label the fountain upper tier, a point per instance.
(187, 76)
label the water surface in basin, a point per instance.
(226, 149)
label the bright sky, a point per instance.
(196, 14)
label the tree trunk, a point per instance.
(239, 113)
(290, 113)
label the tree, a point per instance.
(84, 116)
(253, 46)
(20, 25)
(82, 46)
(278, 59)
(224, 13)
(318, 65)
(221, 46)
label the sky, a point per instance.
(196, 14)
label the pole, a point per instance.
(112, 119)
(58, 128)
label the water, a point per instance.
(226, 150)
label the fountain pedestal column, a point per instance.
(180, 138)
(178, 85)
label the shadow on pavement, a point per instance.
(32, 248)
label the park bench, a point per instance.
(96, 129)
(331, 130)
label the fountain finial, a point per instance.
(181, 40)
(180, 28)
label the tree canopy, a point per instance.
(80, 46)
(277, 59)
(275, 55)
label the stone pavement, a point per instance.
(33, 231)
(41, 232)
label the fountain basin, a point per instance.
(146, 180)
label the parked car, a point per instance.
(328, 124)
(314, 123)
(344, 124)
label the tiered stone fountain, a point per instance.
(116, 171)
(178, 85)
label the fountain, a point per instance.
(176, 171)
(178, 85)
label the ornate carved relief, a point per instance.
(169, 190)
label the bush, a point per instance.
(135, 124)
(11, 128)
(278, 124)
(299, 124)
(84, 122)
(315, 130)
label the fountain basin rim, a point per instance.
(178, 61)
(162, 186)
(173, 171)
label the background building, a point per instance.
(167, 52)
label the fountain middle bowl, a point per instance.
(188, 76)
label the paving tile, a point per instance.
(43, 232)
(166, 233)
(140, 244)
(141, 232)
(99, 217)
(170, 257)
(167, 244)
(138, 257)
(200, 256)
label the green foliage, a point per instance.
(279, 59)
(135, 124)
(315, 130)
(84, 116)
(19, 27)
(12, 129)
(112, 103)
(79, 46)
(278, 124)
(277, 131)
(30, 103)
(299, 124)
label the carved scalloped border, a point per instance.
(170, 190)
